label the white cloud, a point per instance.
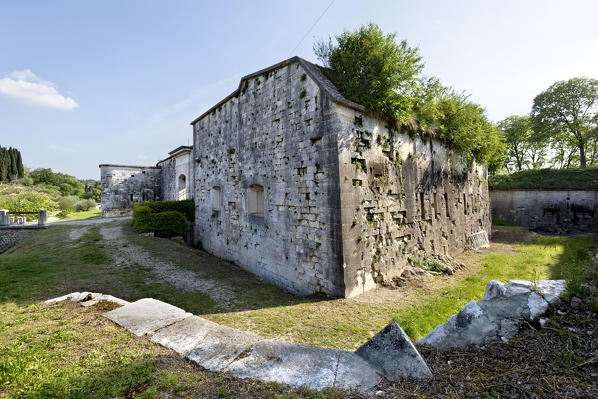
(25, 86)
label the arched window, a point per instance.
(256, 200)
(182, 187)
(216, 198)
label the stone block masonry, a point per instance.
(547, 211)
(11, 237)
(122, 185)
(305, 189)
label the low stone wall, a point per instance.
(546, 210)
(10, 237)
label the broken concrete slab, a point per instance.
(469, 326)
(497, 315)
(304, 365)
(87, 298)
(205, 343)
(146, 315)
(353, 372)
(550, 290)
(392, 352)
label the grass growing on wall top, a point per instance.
(546, 179)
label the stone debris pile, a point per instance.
(497, 315)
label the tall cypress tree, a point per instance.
(20, 168)
(13, 164)
(4, 165)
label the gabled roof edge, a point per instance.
(312, 70)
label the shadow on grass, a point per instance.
(49, 264)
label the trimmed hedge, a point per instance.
(163, 218)
(546, 179)
(142, 218)
(169, 224)
(186, 207)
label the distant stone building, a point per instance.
(308, 190)
(547, 211)
(123, 185)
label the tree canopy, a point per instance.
(525, 149)
(372, 69)
(11, 165)
(65, 184)
(568, 112)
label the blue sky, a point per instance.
(84, 83)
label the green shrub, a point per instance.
(142, 218)
(85, 205)
(64, 213)
(28, 201)
(169, 224)
(145, 218)
(186, 207)
(68, 202)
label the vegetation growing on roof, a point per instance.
(372, 69)
(547, 179)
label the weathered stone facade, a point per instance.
(123, 185)
(302, 187)
(177, 174)
(548, 211)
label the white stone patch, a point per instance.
(146, 316)
(87, 298)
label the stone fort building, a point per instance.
(122, 185)
(308, 190)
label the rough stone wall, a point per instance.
(277, 132)
(10, 238)
(123, 185)
(547, 211)
(172, 169)
(402, 197)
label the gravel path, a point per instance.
(186, 280)
(90, 221)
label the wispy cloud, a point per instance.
(25, 86)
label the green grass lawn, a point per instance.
(83, 215)
(64, 351)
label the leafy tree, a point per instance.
(66, 184)
(370, 68)
(568, 110)
(524, 147)
(465, 127)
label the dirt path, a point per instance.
(77, 233)
(126, 252)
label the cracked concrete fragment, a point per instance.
(392, 352)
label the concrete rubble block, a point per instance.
(206, 343)
(498, 314)
(508, 329)
(392, 352)
(304, 365)
(353, 372)
(146, 315)
(87, 298)
(469, 326)
(551, 290)
(537, 305)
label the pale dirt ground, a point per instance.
(127, 253)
